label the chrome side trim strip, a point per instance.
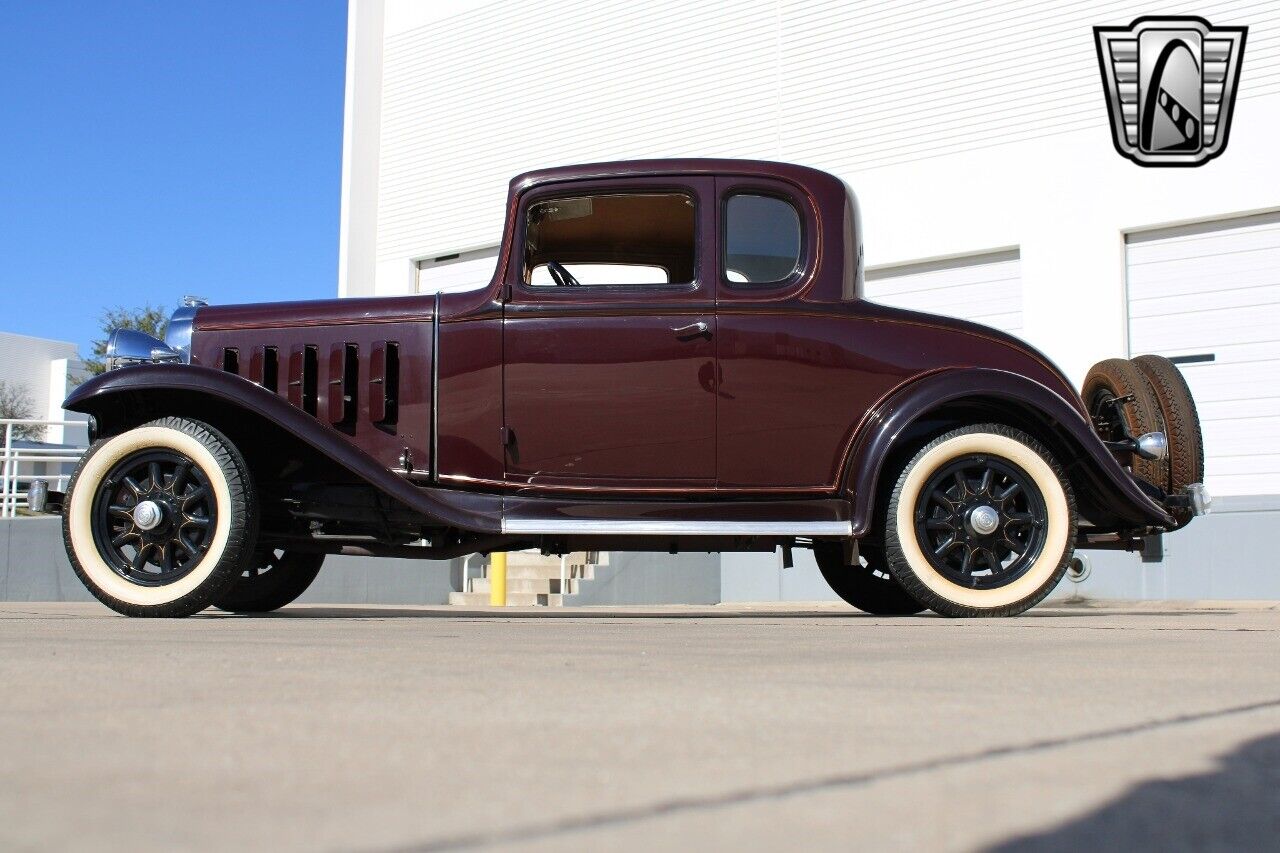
(421, 476)
(645, 527)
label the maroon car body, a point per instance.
(515, 415)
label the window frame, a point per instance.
(803, 261)
(656, 185)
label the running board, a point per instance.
(523, 516)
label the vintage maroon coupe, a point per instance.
(671, 355)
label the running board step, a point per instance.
(657, 527)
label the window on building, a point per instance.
(611, 239)
(762, 239)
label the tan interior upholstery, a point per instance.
(657, 229)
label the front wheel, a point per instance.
(159, 520)
(982, 522)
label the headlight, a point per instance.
(129, 346)
(177, 335)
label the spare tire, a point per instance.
(1181, 424)
(1119, 377)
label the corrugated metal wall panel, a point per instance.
(984, 289)
(1216, 289)
(467, 271)
(841, 85)
(541, 84)
(24, 363)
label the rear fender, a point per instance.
(1020, 400)
(116, 397)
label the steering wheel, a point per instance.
(562, 277)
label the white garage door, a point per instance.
(1208, 296)
(986, 289)
(463, 271)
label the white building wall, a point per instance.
(48, 370)
(966, 128)
(362, 104)
(963, 128)
(40, 366)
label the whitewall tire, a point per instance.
(160, 520)
(981, 522)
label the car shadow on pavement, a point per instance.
(729, 611)
(1235, 807)
(508, 613)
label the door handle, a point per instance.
(693, 330)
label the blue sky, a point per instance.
(156, 149)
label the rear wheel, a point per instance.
(271, 580)
(159, 520)
(981, 522)
(867, 583)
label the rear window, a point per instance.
(610, 239)
(762, 239)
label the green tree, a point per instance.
(147, 319)
(16, 403)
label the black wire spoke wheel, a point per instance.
(981, 521)
(154, 517)
(263, 562)
(270, 580)
(159, 519)
(867, 583)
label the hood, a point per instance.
(315, 312)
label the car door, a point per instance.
(608, 337)
(776, 353)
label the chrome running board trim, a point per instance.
(644, 527)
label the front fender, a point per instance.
(1026, 401)
(154, 381)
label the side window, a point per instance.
(611, 238)
(761, 239)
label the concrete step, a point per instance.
(543, 586)
(514, 599)
(533, 558)
(532, 580)
(545, 572)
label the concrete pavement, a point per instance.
(767, 727)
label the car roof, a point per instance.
(805, 176)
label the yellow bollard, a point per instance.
(498, 579)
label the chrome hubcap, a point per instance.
(147, 515)
(984, 520)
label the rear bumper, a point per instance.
(1194, 497)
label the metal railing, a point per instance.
(13, 492)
